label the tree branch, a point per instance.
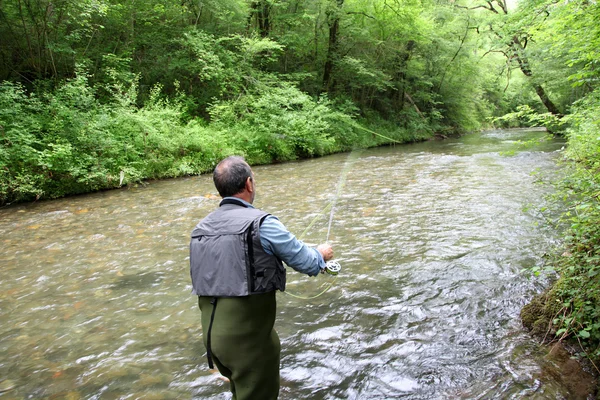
(491, 8)
(495, 51)
(462, 42)
(406, 95)
(361, 13)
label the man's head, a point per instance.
(234, 177)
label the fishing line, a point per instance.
(315, 296)
(315, 219)
(332, 267)
(356, 125)
(352, 157)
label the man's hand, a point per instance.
(326, 251)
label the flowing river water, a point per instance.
(432, 237)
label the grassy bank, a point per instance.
(570, 309)
(66, 142)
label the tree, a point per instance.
(333, 14)
(511, 39)
(517, 47)
(43, 39)
(260, 12)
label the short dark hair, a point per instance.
(230, 175)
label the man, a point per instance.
(236, 263)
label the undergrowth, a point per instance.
(67, 141)
(572, 305)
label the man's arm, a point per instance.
(277, 240)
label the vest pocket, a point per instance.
(222, 270)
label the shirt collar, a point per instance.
(240, 200)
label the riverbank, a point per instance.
(576, 371)
(68, 142)
(569, 311)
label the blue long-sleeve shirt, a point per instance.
(277, 240)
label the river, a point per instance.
(432, 238)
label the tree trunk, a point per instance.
(261, 9)
(333, 19)
(518, 53)
(521, 58)
(400, 75)
(264, 19)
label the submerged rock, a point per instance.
(572, 373)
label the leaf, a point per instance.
(584, 334)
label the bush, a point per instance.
(66, 142)
(578, 288)
(525, 116)
(281, 123)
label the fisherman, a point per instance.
(236, 263)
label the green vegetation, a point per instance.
(67, 141)
(101, 93)
(96, 94)
(570, 309)
(578, 289)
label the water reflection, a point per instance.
(96, 302)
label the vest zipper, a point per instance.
(251, 271)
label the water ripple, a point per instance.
(431, 237)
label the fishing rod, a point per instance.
(333, 267)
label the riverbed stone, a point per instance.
(572, 373)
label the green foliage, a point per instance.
(42, 39)
(209, 51)
(578, 289)
(67, 142)
(152, 89)
(525, 116)
(356, 74)
(281, 123)
(575, 24)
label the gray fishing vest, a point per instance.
(227, 258)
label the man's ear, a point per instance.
(249, 186)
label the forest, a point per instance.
(99, 94)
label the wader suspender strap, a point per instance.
(208, 349)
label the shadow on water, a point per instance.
(432, 238)
(139, 282)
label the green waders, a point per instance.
(243, 343)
